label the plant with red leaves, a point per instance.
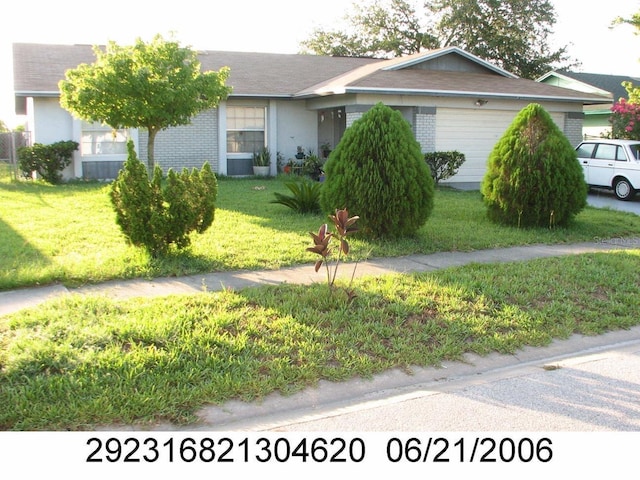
(344, 225)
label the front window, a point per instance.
(245, 129)
(98, 139)
(586, 150)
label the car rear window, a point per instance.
(635, 149)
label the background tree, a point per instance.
(152, 85)
(511, 33)
(533, 177)
(378, 172)
(634, 21)
(382, 29)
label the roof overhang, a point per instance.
(24, 93)
(454, 93)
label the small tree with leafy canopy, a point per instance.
(153, 85)
(533, 177)
(378, 170)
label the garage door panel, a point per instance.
(474, 133)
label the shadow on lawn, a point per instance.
(16, 254)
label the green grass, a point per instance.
(68, 233)
(80, 362)
(85, 361)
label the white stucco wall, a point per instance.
(458, 125)
(50, 123)
(296, 126)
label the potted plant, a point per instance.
(261, 162)
(325, 148)
(312, 166)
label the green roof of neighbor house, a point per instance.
(611, 84)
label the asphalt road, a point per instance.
(606, 199)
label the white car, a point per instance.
(613, 164)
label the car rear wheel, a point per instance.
(623, 189)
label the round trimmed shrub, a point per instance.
(378, 172)
(533, 177)
(157, 216)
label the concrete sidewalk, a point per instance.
(15, 300)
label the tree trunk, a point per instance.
(151, 163)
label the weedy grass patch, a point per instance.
(80, 362)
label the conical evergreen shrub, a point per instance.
(378, 172)
(533, 177)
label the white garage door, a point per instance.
(474, 132)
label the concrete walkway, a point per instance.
(12, 301)
(395, 399)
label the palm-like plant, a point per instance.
(304, 198)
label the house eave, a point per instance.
(472, 94)
(28, 93)
(261, 95)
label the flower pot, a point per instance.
(261, 171)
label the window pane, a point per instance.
(606, 152)
(244, 142)
(245, 118)
(245, 129)
(102, 140)
(586, 150)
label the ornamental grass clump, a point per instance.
(533, 177)
(378, 169)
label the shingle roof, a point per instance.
(466, 84)
(39, 67)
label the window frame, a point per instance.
(97, 129)
(241, 124)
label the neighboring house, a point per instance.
(452, 99)
(596, 119)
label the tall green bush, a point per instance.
(156, 215)
(48, 161)
(533, 177)
(379, 171)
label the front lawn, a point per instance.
(83, 362)
(68, 234)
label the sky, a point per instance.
(274, 26)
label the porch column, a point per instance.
(573, 122)
(354, 112)
(424, 127)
